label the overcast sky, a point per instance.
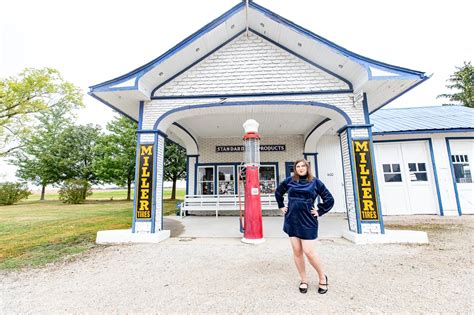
(93, 41)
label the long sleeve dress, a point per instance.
(299, 222)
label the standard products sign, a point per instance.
(241, 148)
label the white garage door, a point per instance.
(405, 178)
(462, 153)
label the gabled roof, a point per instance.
(382, 82)
(419, 119)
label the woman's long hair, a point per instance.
(309, 175)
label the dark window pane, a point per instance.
(422, 167)
(386, 168)
(461, 158)
(462, 172)
(420, 177)
(391, 178)
(453, 159)
(457, 158)
(396, 168)
(412, 167)
(466, 159)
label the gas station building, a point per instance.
(313, 99)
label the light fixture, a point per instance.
(232, 26)
(197, 49)
(160, 74)
(299, 44)
(341, 66)
(262, 25)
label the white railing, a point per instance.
(222, 202)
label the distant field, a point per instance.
(33, 232)
(105, 194)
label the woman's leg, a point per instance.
(308, 249)
(299, 257)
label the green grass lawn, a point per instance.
(33, 232)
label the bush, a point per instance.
(13, 192)
(75, 191)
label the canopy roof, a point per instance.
(382, 82)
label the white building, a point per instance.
(312, 99)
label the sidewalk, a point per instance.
(330, 226)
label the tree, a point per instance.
(32, 91)
(115, 153)
(36, 159)
(462, 80)
(175, 165)
(75, 152)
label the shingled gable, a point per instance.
(334, 68)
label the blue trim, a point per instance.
(342, 50)
(353, 127)
(435, 173)
(153, 97)
(145, 68)
(423, 79)
(365, 107)
(187, 175)
(453, 175)
(317, 126)
(345, 191)
(253, 103)
(161, 133)
(155, 185)
(354, 184)
(433, 163)
(288, 165)
(349, 84)
(185, 130)
(195, 174)
(323, 92)
(111, 106)
(140, 115)
(424, 131)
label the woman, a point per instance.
(301, 219)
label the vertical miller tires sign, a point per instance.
(145, 182)
(367, 196)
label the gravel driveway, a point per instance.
(223, 275)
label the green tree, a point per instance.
(115, 153)
(175, 165)
(75, 152)
(32, 91)
(462, 81)
(36, 159)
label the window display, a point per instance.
(226, 182)
(205, 180)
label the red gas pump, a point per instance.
(253, 233)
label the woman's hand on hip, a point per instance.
(284, 210)
(314, 212)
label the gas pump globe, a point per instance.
(253, 208)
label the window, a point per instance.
(267, 174)
(205, 180)
(225, 177)
(267, 179)
(392, 173)
(462, 170)
(418, 172)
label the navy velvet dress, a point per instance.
(299, 222)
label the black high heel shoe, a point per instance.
(321, 290)
(303, 289)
